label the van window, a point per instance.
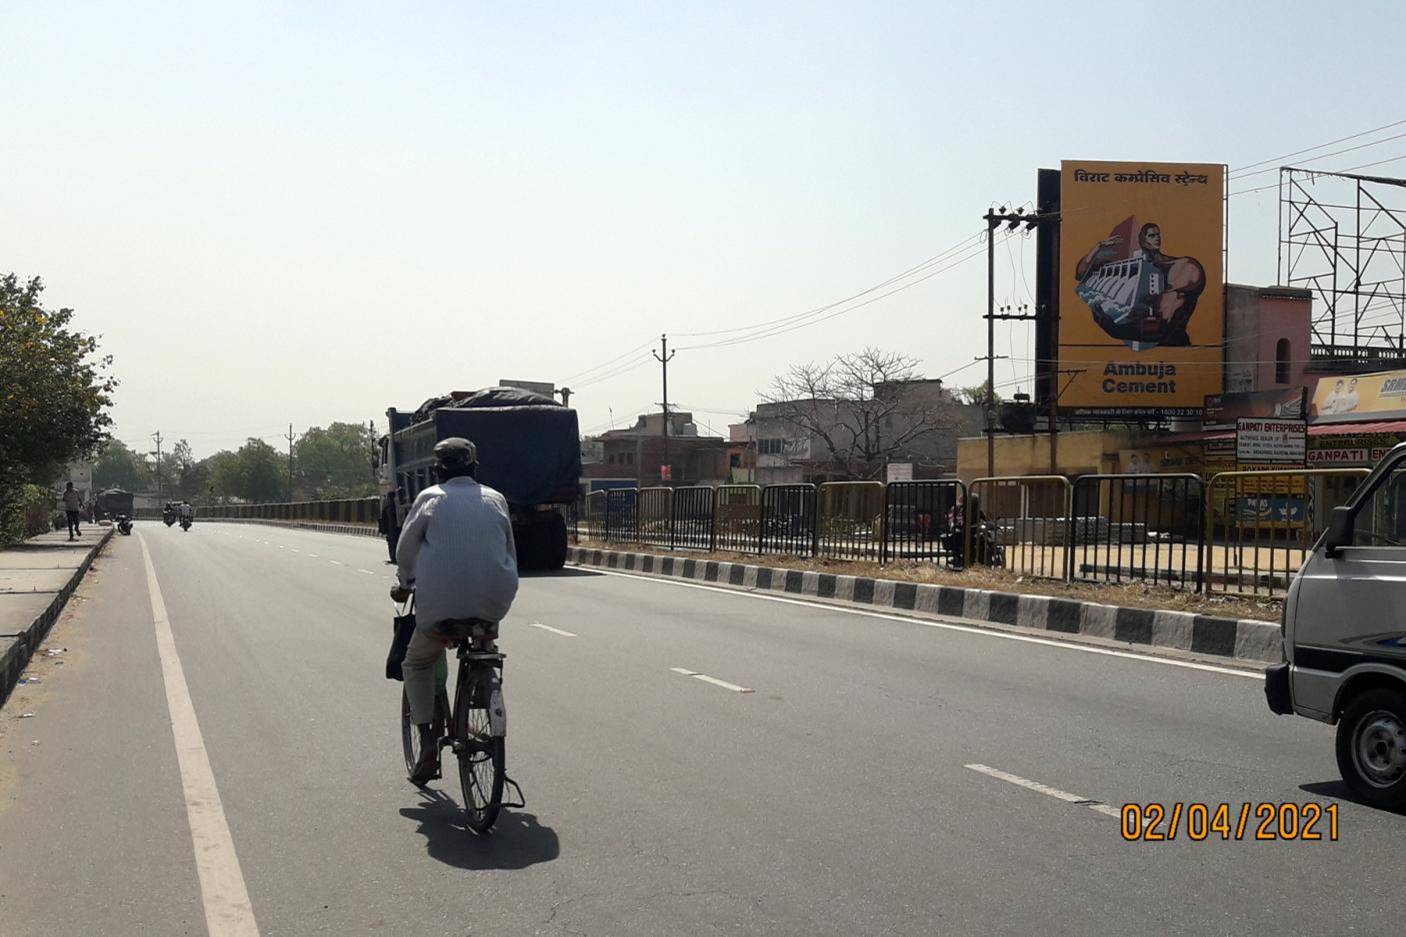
(1381, 520)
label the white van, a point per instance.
(1344, 636)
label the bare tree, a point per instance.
(868, 408)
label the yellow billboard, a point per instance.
(1142, 319)
(1355, 397)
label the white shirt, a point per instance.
(457, 548)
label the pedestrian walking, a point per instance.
(72, 504)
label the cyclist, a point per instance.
(456, 550)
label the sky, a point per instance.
(301, 213)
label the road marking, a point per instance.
(1095, 805)
(564, 634)
(713, 680)
(295, 550)
(946, 626)
(313, 555)
(228, 911)
(366, 571)
(336, 563)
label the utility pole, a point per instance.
(994, 220)
(664, 356)
(565, 396)
(157, 436)
(290, 462)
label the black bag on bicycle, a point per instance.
(404, 629)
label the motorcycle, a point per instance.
(168, 519)
(185, 523)
(985, 546)
(124, 525)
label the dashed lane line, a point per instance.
(1097, 806)
(564, 634)
(713, 680)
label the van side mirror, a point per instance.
(1340, 526)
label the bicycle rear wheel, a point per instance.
(410, 735)
(481, 755)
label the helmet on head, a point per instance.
(455, 454)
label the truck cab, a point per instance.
(1344, 636)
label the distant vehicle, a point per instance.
(111, 502)
(529, 449)
(1343, 637)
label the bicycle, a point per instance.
(475, 728)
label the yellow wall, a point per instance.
(1080, 453)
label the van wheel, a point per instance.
(1371, 747)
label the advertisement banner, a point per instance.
(1271, 442)
(1141, 286)
(1377, 396)
(1220, 411)
(1160, 460)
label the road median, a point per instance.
(1237, 639)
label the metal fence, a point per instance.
(622, 515)
(788, 519)
(737, 518)
(691, 521)
(1146, 528)
(850, 520)
(1261, 525)
(921, 523)
(343, 511)
(655, 516)
(1027, 517)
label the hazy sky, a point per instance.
(311, 212)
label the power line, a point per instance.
(1275, 185)
(1360, 146)
(1320, 146)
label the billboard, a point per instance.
(1271, 441)
(1344, 399)
(1142, 316)
(1220, 411)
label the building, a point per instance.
(637, 454)
(917, 422)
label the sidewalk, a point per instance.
(36, 579)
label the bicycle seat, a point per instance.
(460, 628)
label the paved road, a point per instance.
(834, 799)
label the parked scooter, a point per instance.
(124, 525)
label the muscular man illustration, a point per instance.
(1144, 297)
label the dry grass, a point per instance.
(1132, 594)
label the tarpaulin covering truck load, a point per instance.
(529, 449)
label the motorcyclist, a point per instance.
(185, 512)
(456, 550)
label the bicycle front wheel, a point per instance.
(481, 755)
(410, 735)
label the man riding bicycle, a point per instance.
(456, 551)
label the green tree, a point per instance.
(976, 393)
(119, 467)
(335, 462)
(260, 472)
(222, 469)
(55, 390)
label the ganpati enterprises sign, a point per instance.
(1348, 451)
(1141, 286)
(1271, 441)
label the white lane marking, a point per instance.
(538, 624)
(946, 626)
(295, 550)
(228, 911)
(313, 555)
(713, 680)
(336, 563)
(366, 571)
(1045, 789)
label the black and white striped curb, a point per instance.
(359, 530)
(1242, 639)
(16, 650)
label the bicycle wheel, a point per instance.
(481, 756)
(410, 735)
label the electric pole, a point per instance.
(290, 462)
(664, 356)
(157, 436)
(565, 396)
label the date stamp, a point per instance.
(1256, 822)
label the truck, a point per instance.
(529, 449)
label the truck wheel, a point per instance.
(1371, 747)
(553, 541)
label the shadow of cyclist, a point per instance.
(516, 842)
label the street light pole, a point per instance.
(664, 356)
